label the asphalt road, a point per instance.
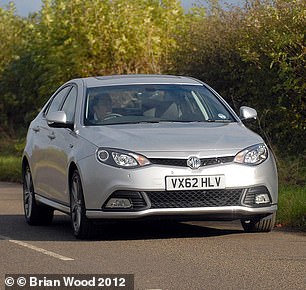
(202, 255)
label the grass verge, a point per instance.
(292, 206)
(10, 168)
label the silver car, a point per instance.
(146, 146)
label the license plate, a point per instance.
(195, 182)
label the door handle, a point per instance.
(51, 136)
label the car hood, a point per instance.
(204, 139)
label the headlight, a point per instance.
(121, 158)
(253, 155)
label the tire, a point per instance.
(82, 227)
(265, 224)
(35, 214)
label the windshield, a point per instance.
(153, 103)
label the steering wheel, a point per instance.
(111, 116)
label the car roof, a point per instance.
(139, 79)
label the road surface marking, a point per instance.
(37, 249)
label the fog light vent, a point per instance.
(125, 200)
(118, 203)
(257, 196)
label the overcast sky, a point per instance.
(24, 7)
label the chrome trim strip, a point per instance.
(232, 210)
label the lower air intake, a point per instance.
(195, 198)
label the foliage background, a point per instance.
(253, 55)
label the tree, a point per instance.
(13, 37)
(69, 39)
(254, 56)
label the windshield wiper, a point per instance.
(178, 121)
(219, 121)
(156, 121)
(132, 122)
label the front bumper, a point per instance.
(101, 181)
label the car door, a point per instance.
(43, 152)
(62, 142)
(62, 148)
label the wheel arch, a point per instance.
(72, 168)
(25, 162)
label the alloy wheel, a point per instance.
(28, 193)
(76, 203)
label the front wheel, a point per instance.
(81, 225)
(35, 214)
(254, 225)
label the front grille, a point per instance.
(195, 198)
(190, 198)
(183, 162)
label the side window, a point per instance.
(57, 100)
(69, 104)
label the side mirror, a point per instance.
(247, 113)
(58, 119)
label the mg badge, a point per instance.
(193, 162)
